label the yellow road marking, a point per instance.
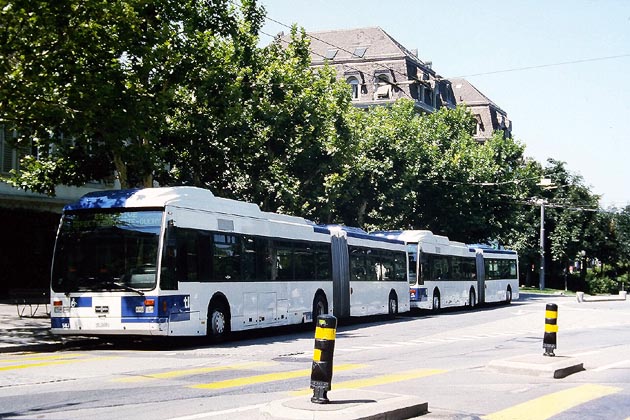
(550, 405)
(55, 362)
(38, 358)
(194, 371)
(378, 380)
(269, 377)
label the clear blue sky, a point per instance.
(577, 112)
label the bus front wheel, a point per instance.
(218, 321)
(436, 301)
(320, 306)
(508, 295)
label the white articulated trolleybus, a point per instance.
(444, 273)
(181, 262)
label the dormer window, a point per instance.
(355, 84)
(331, 53)
(359, 52)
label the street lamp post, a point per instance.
(542, 244)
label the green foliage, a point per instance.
(181, 92)
(600, 284)
(98, 77)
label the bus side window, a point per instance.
(324, 261)
(227, 257)
(169, 260)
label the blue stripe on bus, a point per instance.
(174, 307)
(495, 251)
(102, 200)
(354, 232)
(418, 294)
(58, 322)
(320, 229)
(371, 237)
(81, 302)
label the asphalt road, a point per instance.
(442, 359)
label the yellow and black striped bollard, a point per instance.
(551, 329)
(322, 371)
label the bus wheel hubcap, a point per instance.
(218, 322)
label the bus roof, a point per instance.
(354, 232)
(186, 197)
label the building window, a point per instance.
(8, 155)
(479, 129)
(383, 88)
(355, 84)
(428, 96)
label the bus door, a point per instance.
(481, 278)
(340, 275)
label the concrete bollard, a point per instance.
(580, 296)
(551, 329)
(322, 370)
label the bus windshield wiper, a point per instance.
(124, 287)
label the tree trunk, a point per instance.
(147, 181)
(121, 168)
(361, 213)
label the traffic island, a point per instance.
(581, 297)
(347, 404)
(538, 365)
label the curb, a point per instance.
(557, 367)
(600, 298)
(346, 404)
(46, 347)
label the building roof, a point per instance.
(466, 93)
(357, 44)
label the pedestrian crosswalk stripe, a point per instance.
(54, 362)
(552, 404)
(380, 380)
(193, 371)
(268, 377)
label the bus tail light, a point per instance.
(149, 305)
(57, 306)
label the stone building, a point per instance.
(490, 117)
(379, 69)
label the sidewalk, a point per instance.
(26, 333)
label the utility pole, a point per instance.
(542, 244)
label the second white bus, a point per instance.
(444, 273)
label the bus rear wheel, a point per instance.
(472, 299)
(393, 304)
(508, 295)
(218, 322)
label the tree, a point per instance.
(87, 84)
(276, 136)
(411, 171)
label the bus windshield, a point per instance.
(98, 251)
